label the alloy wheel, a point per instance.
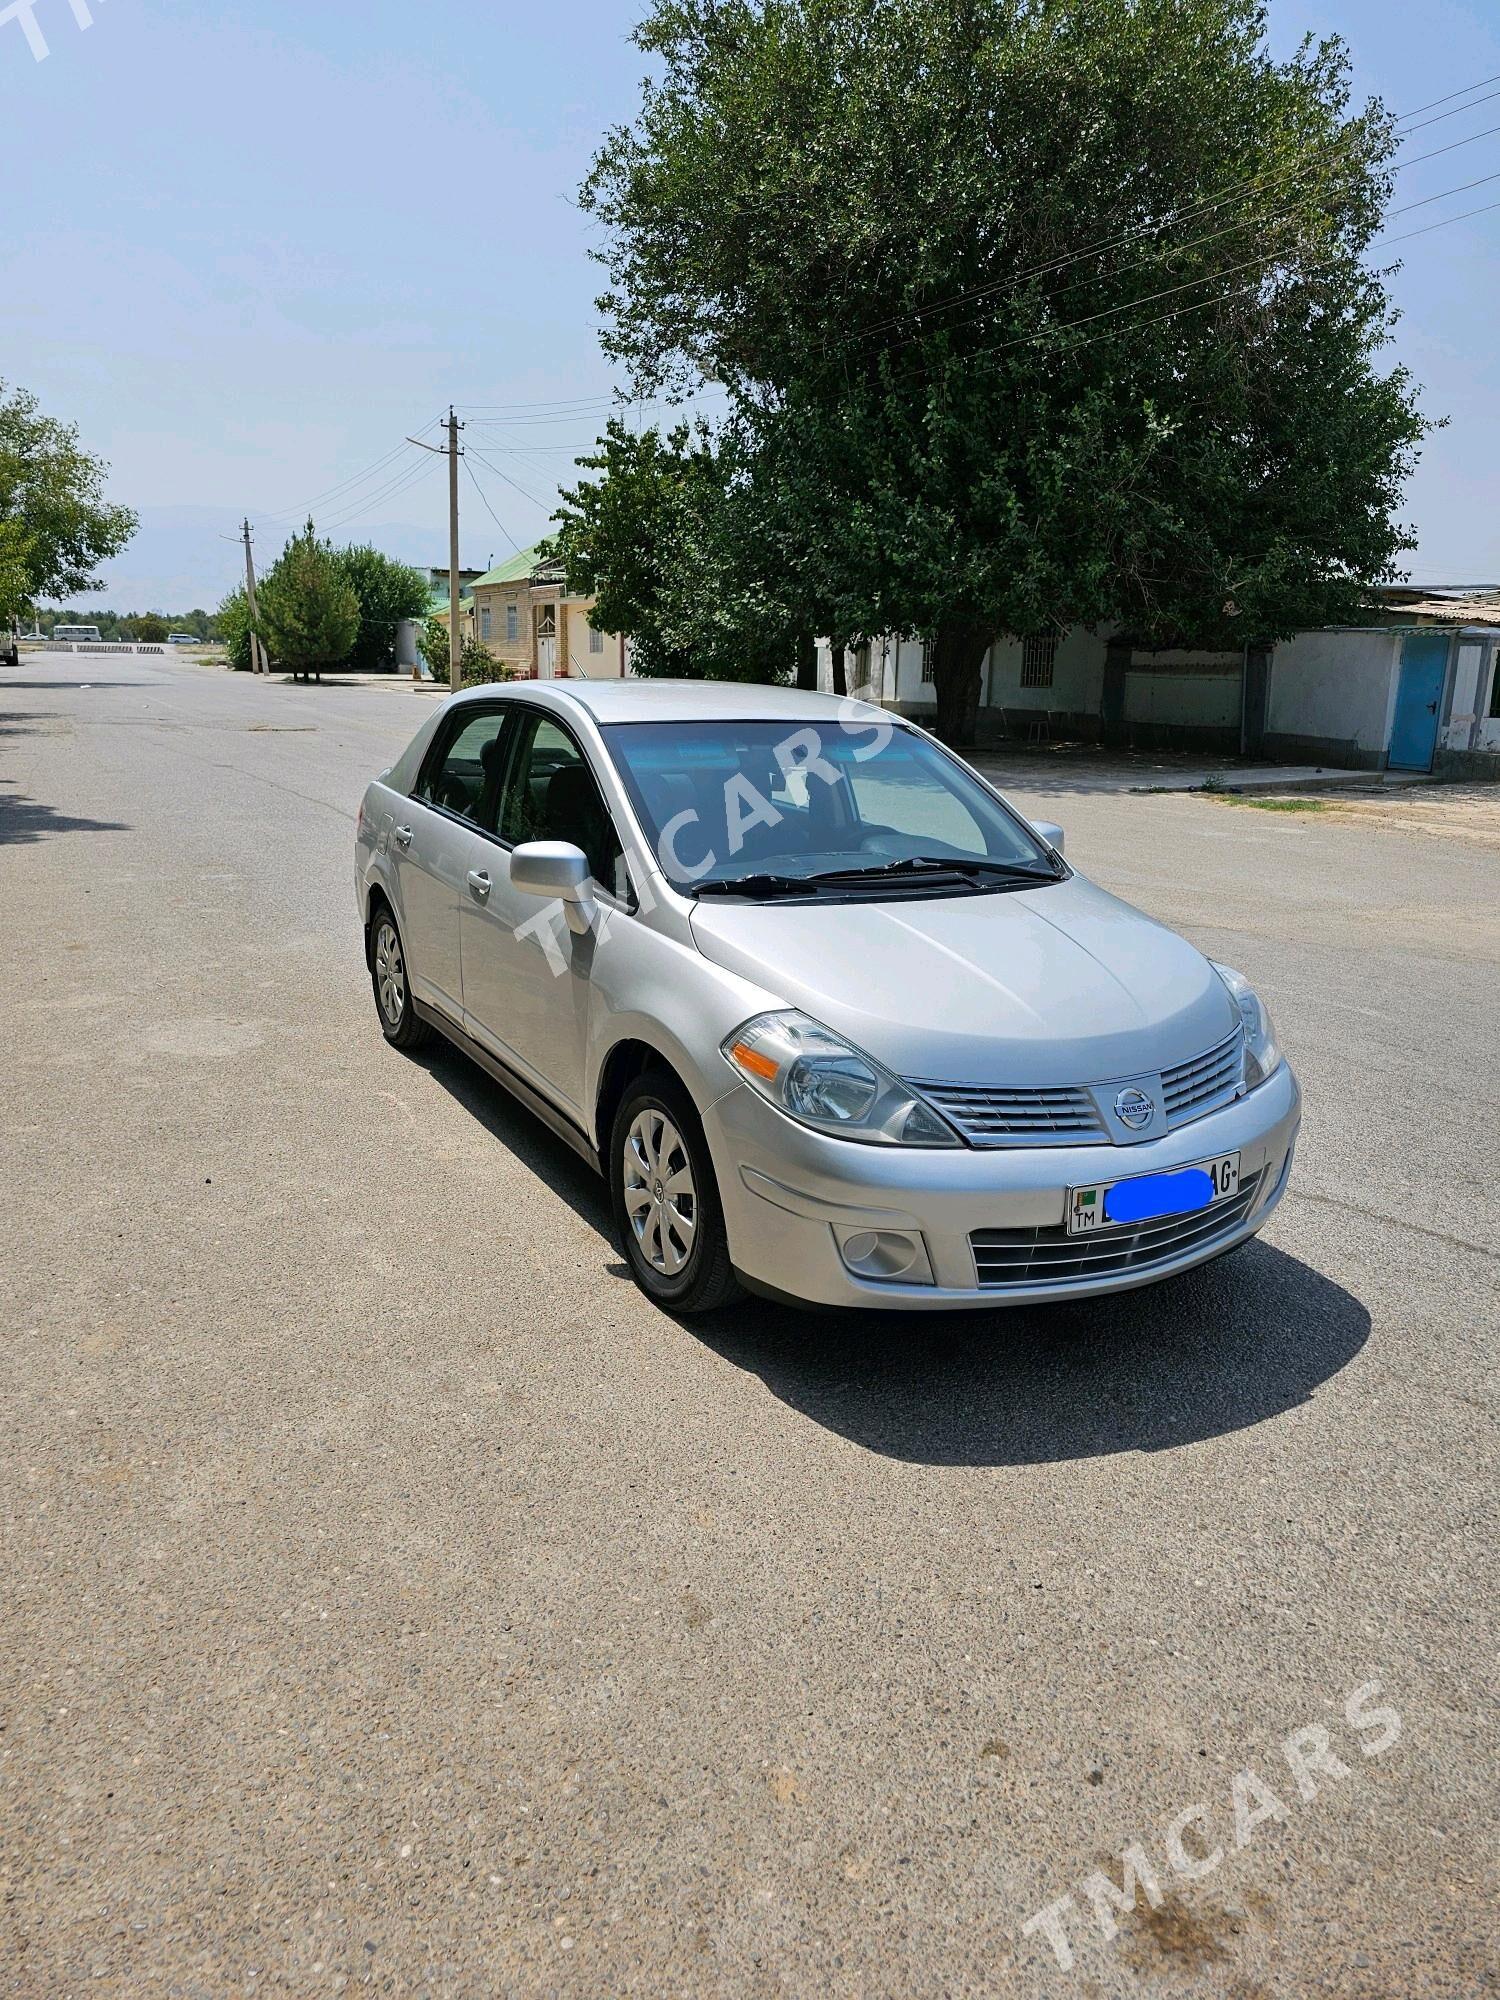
(661, 1200)
(390, 973)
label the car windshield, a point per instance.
(858, 807)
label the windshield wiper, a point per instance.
(923, 867)
(934, 864)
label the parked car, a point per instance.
(834, 1021)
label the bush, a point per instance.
(433, 646)
(476, 664)
(479, 667)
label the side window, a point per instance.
(552, 795)
(464, 777)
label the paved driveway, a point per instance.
(393, 1601)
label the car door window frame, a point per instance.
(443, 742)
(525, 712)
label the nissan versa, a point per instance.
(836, 1024)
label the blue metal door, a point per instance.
(1414, 727)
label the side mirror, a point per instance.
(1050, 832)
(559, 871)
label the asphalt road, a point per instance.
(393, 1600)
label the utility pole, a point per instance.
(455, 638)
(259, 664)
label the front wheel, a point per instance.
(400, 1022)
(666, 1200)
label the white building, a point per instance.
(1418, 691)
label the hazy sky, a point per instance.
(249, 246)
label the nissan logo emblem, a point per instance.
(1134, 1108)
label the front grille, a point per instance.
(1017, 1117)
(1049, 1256)
(1070, 1115)
(1192, 1088)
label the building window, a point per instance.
(596, 641)
(1038, 658)
(484, 621)
(927, 659)
(512, 623)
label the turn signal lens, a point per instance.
(754, 1061)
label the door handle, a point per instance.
(479, 882)
(402, 836)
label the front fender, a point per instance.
(661, 991)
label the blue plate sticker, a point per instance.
(1154, 1195)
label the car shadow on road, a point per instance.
(1230, 1345)
(524, 1136)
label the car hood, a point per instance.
(1047, 987)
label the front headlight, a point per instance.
(1262, 1056)
(818, 1078)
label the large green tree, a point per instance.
(388, 591)
(1030, 312)
(666, 535)
(55, 525)
(309, 613)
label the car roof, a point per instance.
(687, 701)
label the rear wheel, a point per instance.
(400, 1022)
(666, 1200)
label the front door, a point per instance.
(1419, 696)
(546, 642)
(527, 984)
(438, 845)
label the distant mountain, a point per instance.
(177, 562)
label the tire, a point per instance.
(400, 1022)
(666, 1200)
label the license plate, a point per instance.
(1153, 1197)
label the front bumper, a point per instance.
(789, 1194)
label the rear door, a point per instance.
(440, 843)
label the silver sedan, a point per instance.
(836, 1024)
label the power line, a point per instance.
(355, 479)
(552, 403)
(1448, 99)
(1457, 112)
(1428, 200)
(1250, 263)
(501, 474)
(410, 477)
(404, 480)
(1048, 266)
(1219, 298)
(488, 508)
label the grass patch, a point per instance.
(1274, 805)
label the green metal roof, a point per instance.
(515, 571)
